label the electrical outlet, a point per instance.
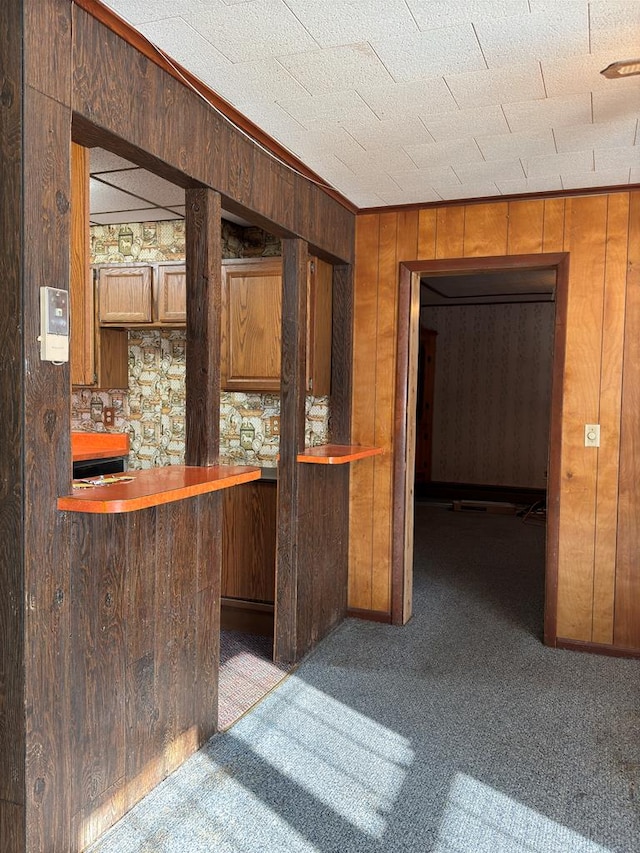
(109, 416)
(275, 424)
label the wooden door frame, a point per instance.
(404, 424)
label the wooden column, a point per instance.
(204, 276)
(341, 355)
(12, 731)
(292, 401)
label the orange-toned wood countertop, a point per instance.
(337, 454)
(156, 486)
(98, 445)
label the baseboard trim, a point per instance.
(369, 615)
(252, 617)
(596, 648)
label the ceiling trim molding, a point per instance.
(127, 32)
(493, 199)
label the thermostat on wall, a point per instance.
(54, 324)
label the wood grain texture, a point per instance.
(341, 355)
(553, 225)
(204, 331)
(627, 593)
(427, 223)
(581, 399)
(525, 227)
(124, 295)
(170, 292)
(47, 466)
(450, 232)
(613, 322)
(81, 342)
(292, 412)
(337, 454)
(12, 489)
(249, 542)
(363, 431)
(485, 229)
(154, 120)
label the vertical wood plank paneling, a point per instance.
(525, 227)
(204, 289)
(208, 569)
(386, 342)
(586, 231)
(610, 406)
(427, 233)
(450, 232)
(341, 355)
(292, 405)
(627, 593)
(364, 383)
(485, 229)
(553, 225)
(12, 533)
(47, 467)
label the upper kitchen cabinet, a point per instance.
(251, 325)
(141, 295)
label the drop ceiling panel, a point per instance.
(147, 186)
(104, 161)
(149, 214)
(494, 80)
(106, 198)
(558, 164)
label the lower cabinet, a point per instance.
(249, 557)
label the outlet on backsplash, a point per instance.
(274, 424)
(109, 416)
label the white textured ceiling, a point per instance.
(403, 101)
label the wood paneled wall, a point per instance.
(598, 583)
(143, 680)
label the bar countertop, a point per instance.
(151, 487)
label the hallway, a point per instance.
(459, 733)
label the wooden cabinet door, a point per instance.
(249, 541)
(124, 295)
(319, 332)
(171, 294)
(251, 318)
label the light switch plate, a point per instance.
(592, 435)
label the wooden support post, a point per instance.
(204, 276)
(341, 356)
(292, 402)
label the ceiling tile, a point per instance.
(418, 97)
(560, 30)
(544, 183)
(483, 189)
(617, 104)
(557, 164)
(550, 112)
(609, 135)
(506, 146)
(440, 178)
(604, 178)
(184, 44)
(431, 14)
(352, 21)
(385, 160)
(337, 107)
(149, 214)
(141, 11)
(462, 124)
(147, 186)
(104, 161)
(337, 68)
(104, 198)
(251, 83)
(473, 173)
(372, 133)
(617, 158)
(418, 194)
(246, 32)
(428, 54)
(497, 85)
(434, 154)
(615, 28)
(575, 74)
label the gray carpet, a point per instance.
(459, 733)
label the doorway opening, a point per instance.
(479, 429)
